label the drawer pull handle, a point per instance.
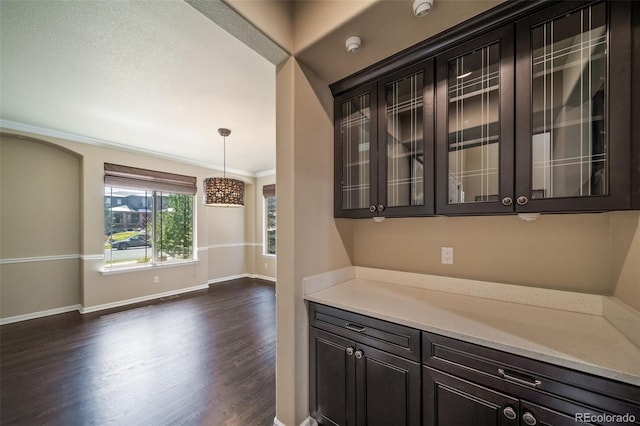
(358, 354)
(510, 413)
(529, 419)
(349, 351)
(356, 328)
(505, 375)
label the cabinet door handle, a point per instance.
(372, 208)
(522, 200)
(349, 351)
(356, 328)
(509, 413)
(529, 419)
(380, 207)
(534, 383)
(507, 201)
(358, 354)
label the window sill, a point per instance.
(145, 267)
(268, 255)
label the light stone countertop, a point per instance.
(581, 341)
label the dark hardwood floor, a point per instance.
(204, 358)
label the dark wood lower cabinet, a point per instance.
(355, 384)
(450, 401)
(387, 389)
(365, 371)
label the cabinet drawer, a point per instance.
(393, 338)
(528, 378)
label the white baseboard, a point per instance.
(89, 309)
(235, 277)
(309, 421)
(120, 303)
(40, 314)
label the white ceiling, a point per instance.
(155, 76)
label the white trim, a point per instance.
(146, 267)
(266, 173)
(40, 314)
(235, 277)
(39, 259)
(215, 246)
(120, 303)
(309, 421)
(92, 256)
(42, 131)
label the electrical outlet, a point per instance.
(266, 265)
(447, 255)
(156, 279)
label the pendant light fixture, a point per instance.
(223, 191)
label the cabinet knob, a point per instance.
(380, 207)
(509, 413)
(349, 351)
(358, 354)
(522, 200)
(529, 419)
(507, 201)
(372, 208)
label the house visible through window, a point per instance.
(148, 217)
(269, 192)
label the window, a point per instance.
(152, 220)
(269, 192)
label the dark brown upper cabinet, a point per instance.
(573, 108)
(526, 108)
(474, 128)
(384, 146)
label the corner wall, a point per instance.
(57, 262)
(625, 257)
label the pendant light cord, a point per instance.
(224, 161)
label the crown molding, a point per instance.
(43, 131)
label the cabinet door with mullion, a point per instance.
(474, 126)
(356, 152)
(573, 108)
(405, 142)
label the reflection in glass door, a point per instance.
(404, 141)
(356, 149)
(473, 82)
(569, 88)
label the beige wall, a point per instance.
(40, 216)
(567, 252)
(310, 241)
(69, 176)
(625, 257)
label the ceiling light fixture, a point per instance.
(422, 7)
(353, 44)
(223, 192)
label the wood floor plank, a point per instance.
(206, 358)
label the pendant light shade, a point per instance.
(223, 191)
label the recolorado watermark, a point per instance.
(604, 418)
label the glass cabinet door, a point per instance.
(355, 115)
(569, 85)
(568, 145)
(474, 122)
(405, 137)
